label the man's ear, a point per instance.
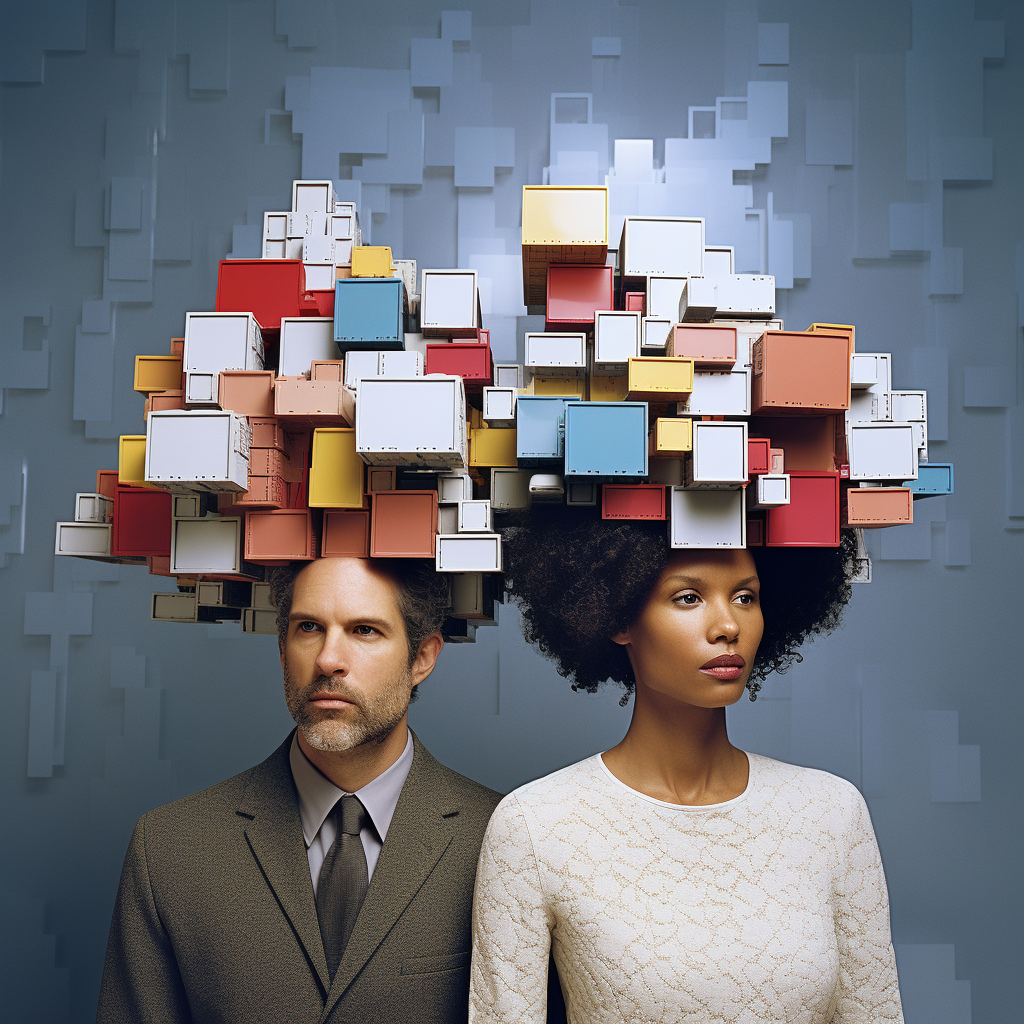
(426, 657)
(621, 638)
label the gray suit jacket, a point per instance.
(215, 919)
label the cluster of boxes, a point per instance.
(328, 406)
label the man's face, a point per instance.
(347, 677)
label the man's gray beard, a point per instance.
(368, 722)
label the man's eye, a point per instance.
(365, 630)
(308, 627)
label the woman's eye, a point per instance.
(745, 598)
(689, 598)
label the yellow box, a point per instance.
(336, 472)
(565, 215)
(608, 389)
(371, 261)
(131, 460)
(476, 418)
(157, 373)
(495, 446)
(568, 386)
(660, 378)
(671, 436)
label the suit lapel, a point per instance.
(274, 834)
(424, 823)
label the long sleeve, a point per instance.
(868, 991)
(141, 982)
(511, 925)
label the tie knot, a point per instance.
(352, 816)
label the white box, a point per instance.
(863, 370)
(401, 363)
(407, 271)
(654, 333)
(209, 592)
(261, 598)
(419, 421)
(707, 518)
(698, 301)
(773, 489)
(718, 393)
(468, 552)
(719, 260)
(872, 403)
(719, 453)
(910, 406)
(556, 354)
(303, 339)
(210, 545)
(202, 390)
(297, 225)
(292, 249)
(882, 451)
(547, 487)
(88, 539)
(449, 301)
(275, 226)
(342, 226)
(186, 506)
(198, 450)
(663, 295)
(259, 620)
(360, 364)
(92, 508)
(747, 332)
(313, 196)
(467, 592)
(507, 375)
(616, 339)
(174, 608)
(319, 277)
(510, 488)
(745, 296)
(581, 491)
(318, 249)
(670, 246)
(475, 517)
(222, 341)
(453, 488)
(499, 407)
(447, 518)
(275, 248)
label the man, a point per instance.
(334, 881)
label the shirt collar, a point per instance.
(318, 795)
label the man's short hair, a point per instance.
(424, 596)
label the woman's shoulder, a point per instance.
(794, 783)
(555, 795)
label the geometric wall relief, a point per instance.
(929, 989)
(29, 950)
(24, 348)
(954, 768)
(13, 503)
(28, 28)
(773, 43)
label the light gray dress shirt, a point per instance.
(318, 795)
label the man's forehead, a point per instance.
(346, 586)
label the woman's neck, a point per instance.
(677, 752)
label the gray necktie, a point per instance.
(343, 881)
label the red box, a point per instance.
(269, 289)
(142, 522)
(710, 346)
(279, 535)
(403, 524)
(759, 458)
(106, 483)
(811, 519)
(322, 299)
(633, 501)
(178, 347)
(159, 565)
(576, 292)
(636, 302)
(755, 531)
(470, 360)
(346, 534)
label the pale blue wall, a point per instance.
(890, 198)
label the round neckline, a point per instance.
(725, 804)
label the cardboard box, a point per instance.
(403, 524)
(336, 473)
(798, 372)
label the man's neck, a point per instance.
(350, 770)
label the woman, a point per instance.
(675, 877)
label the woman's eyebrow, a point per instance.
(697, 581)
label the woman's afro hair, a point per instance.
(580, 579)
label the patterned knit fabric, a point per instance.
(769, 907)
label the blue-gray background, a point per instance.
(868, 154)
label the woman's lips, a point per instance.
(725, 667)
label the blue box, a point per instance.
(369, 313)
(540, 421)
(606, 439)
(932, 478)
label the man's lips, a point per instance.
(330, 700)
(724, 667)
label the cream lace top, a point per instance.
(769, 907)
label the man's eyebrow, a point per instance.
(369, 620)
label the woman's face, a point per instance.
(697, 635)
